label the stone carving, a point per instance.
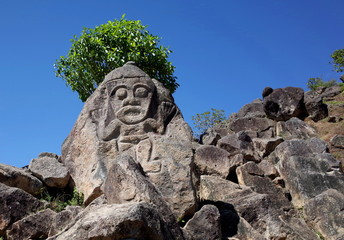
(131, 114)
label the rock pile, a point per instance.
(263, 175)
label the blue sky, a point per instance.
(225, 53)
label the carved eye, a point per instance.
(141, 92)
(120, 93)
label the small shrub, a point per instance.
(60, 199)
(315, 83)
(203, 121)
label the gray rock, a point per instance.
(35, 226)
(305, 167)
(132, 114)
(315, 107)
(50, 171)
(239, 143)
(118, 221)
(295, 128)
(19, 178)
(254, 109)
(325, 212)
(337, 141)
(14, 205)
(268, 169)
(285, 103)
(126, 182)
(267, 91)
(330, 91)
(265, 146)
(258, 210)
(210, 137)
(213, 160)
(262, 126)
(63, 219)
(205, 224)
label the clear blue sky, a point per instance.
(225, 53)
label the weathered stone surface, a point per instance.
(285, 103)
(315, 107)
(210, 137)
(64, 219)
(239, 143)
(325, 212)
(118, 221)
(306, 169)
(267, 91)
(131, 114)
(295, 128)
(263, 126)
(337, 141)
(126, 183)
(257, 209)
(247, 232)
(268, 169)
(254, 109)
(14, 205)
(329, 92)
(205, 224)
(19, 178)
(211, 160)
(35, 226)
(265, 146)
(50, 171)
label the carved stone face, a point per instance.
(131, 99)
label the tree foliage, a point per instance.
(338, 60)
(100, 50)
(315, 83)
(206, 120)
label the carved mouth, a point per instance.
(132, 112)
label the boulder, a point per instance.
(294, 128)
(253, 109)
(239, 143)
(211, 160)
(210, 137)
(325, 212)
(132, 114)
(126, 182)
(35, 226)
(315, 107)
(50, 171)
(306, 169)
(285, 103)
(14, 205)
(118, 221)
(205, 224)
(265, 146)
(337, 141)
(263, 126)
(258, 210)
(63, 219)
(19, 178)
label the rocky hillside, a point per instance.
(271, 171)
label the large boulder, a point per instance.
(294, 128)
(35, 226)
(205, 224)
(285, 103)
(307, 169)
(63, 219)
(47, 168)
(131, 114)
(315, 107)
(337, 141)
(325, 212)
(14, 205)
(19, 178)
(118, 221)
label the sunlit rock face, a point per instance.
(131, 114)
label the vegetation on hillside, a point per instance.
(203, 121)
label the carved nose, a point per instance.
(131, 101)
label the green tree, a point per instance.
(203, 121)
(100, 50)
(338, 60)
